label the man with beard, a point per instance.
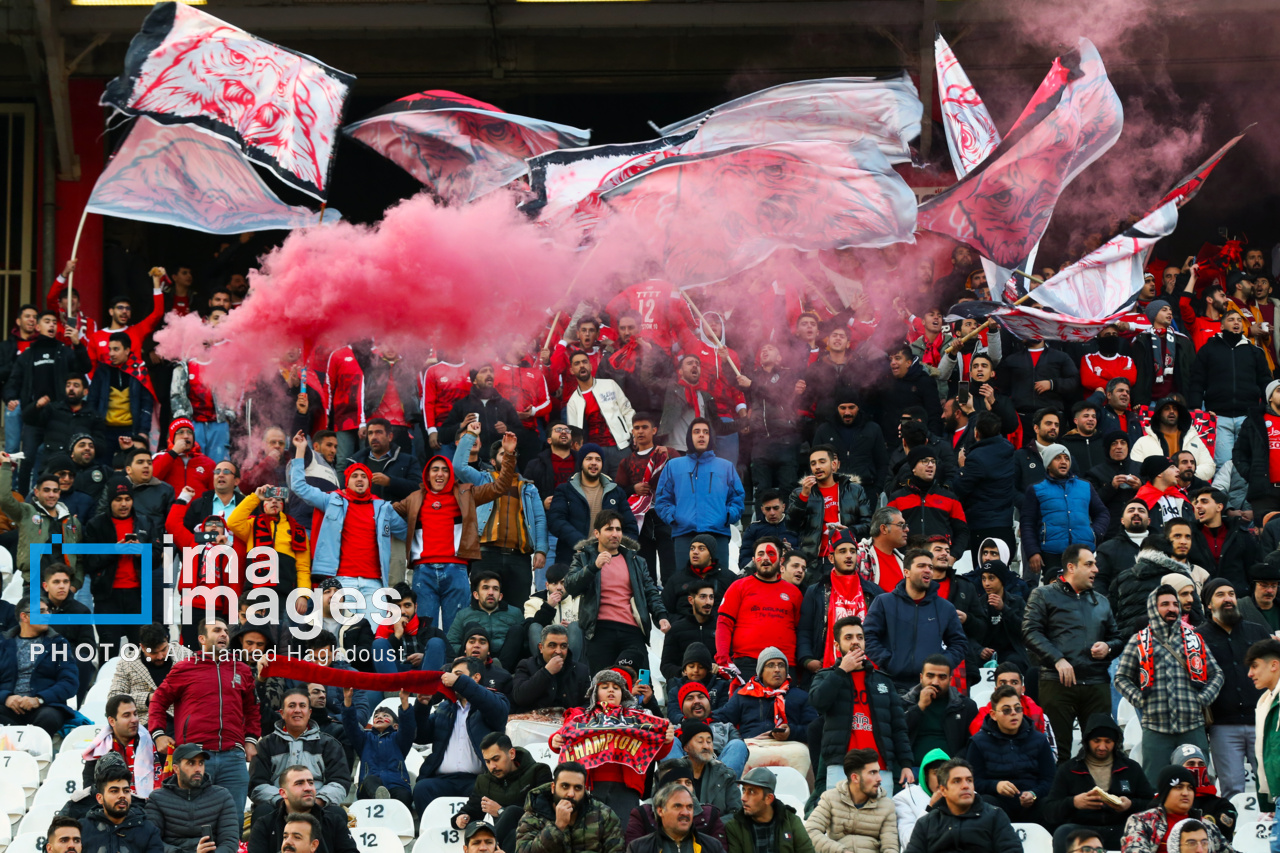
(1060, 511)
(91, 475)
(1088, 447)
(857, 440)
(701, 569)
(1169, 676)
(758, 611)
(1227, 379)
(1029, 465)
(117, 823)
(1185, 461)
(188, 801)
(715, 752)
(124, 736)
(276, 830)
(965, 594)
(698, 626)
(551, 678)
(563, 817)
(63, 836)
(835, 596)
(1171, 432)
(906, 626)
(1202, 325)
(1101, 763)
(1260, 607)
(1118, 554)
(62, 418)
(1229, 636)
(1175, 797)
(826, 503)
(1222, 545)
(501, 790)
(861, 711)
(856, 811)
(639, 367)
(1155, 561)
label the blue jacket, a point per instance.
(699, 493)
(328, 547)
(758, 529)
(382, 754)
(141, 403)
(1024, 759)
(569, 518)
(53, 680)
(984, 484)
(1058, 513)
(488, 714)
(754, 717)
(901, 633)
(535, 517)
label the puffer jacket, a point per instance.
(860, 446)
(533, 687)
(327, 550)
(831, 693)
(955, 721)
(1115, 556)
(789, 835)
(1228, 378)
(318, 752)
(1251, 455)
(498, 623)
(805, 515)
(179, 813)
(584, 580)
(382, 754)
(1152, 442)
(131, 677)
(700, 492)
(1130, 590)
(754, 716)
(37, 527)
(982, 828)
(510, 790)
(595, 827)
(1025, 759)
(1061, 512)
(489, 712)
(932, 509)
(815, 608)
(1062, 623)
(839, 826)
(569, 518)
(135, 834)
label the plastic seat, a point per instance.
(438, 819)
(38, 818)
(30, 842)
(542, 754)
(65, 777)
(1253, 837)
(1034, 837)
(391, 813)
(791, 783)
(32, 740)
(13, 800)
(78, 739)
(377, 839)
(20, 768)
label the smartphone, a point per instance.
(277, 492)
(642, 677)
(130, 537)
(206, 831)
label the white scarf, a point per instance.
(144, 758)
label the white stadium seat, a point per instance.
(390, 813)
(6, 832)
(64, 778)
(78, 739)
(542, 754)
(1034, 837)
(439, 815)
(32, 740)
(791, 783)
(38, 817)
(377, 839)
(1253, 837)
(13, 800)
(1245, 801)
(413, 761)
(21, 768)
(31, 842)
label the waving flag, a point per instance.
(460, 147)
(805, 195)
(1189, 186)
(1030, 323)
(280, 108)
(1003, 205)
(884, 112)
(178, 175)
(971, 134)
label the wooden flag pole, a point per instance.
(75, 248)
(714, 338)
(959, 342)
(817, 290)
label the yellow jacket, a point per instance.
(240, 523)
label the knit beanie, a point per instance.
(1152, 467)
(1153, 308)
(697, 653)
(689, 729)
(1271, 387)
(708, 541)
(1177, 580)
(589, 448)
(1185, 753)
(670, 771)
(58, 462)
(771, 653)
(1174, 774)
(1052, 452)
(919, 454)
(691, 687)
(1211, 586)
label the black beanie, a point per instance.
(696, 653)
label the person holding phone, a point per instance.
(116, 579)
(193, 814)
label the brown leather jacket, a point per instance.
(467, 496)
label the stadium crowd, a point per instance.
(805, 544)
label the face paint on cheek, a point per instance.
(771, 554)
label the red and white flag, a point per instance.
(178, 175)
(971, 134)
(280, 108)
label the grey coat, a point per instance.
(719, 788)
(179, 813)
(319, 752)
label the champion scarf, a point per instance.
(614, 736)
(417, 681)
(844, 599)
(264, 535)
(756, 690)
(1193, 651)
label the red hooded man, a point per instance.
(183, 465)
(443, 537)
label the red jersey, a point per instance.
(345, 380)
(441, 385)
(1273, 447)
(97, 342)
(663, 311)
(84, 324)
(203, 409)
(1096, 370)
(526, 388)
(718, 378)
(755, 615)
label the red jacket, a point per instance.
(346, 390)
(209, 701)
(526, 388)
(97, 342)
(192, 468)
(442, 385)
(663, 311)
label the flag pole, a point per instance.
(714, 339)
(959, 342)
(567, 291)
(323, 205)
(75, 248)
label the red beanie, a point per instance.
(626, 676)
(690, 687)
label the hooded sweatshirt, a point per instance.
(359, 533)
(439, 521)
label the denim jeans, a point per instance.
(1227, 432)
(13, 429)
(442, 588)
(1232, 747)
(213, 438)
(84, 596)
(229, 769)
(386, 660)
(367, 587)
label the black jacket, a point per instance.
(685, 631)
(1239, 553)
(1238, 697)
(1005, 631)
(982, 829)
(1087, 452)
(676, 590)
(151, 502)
(860, 447)
(43, 370)
(1108, 420)
(895, 396)
(179, 813)
(653, 843)
(811, 633)
(805, 515)
(1102, 475)
(533, 687)
(1144, 361)
(510, 790)
(1073, 778)
(497, 409)
(1131, 589)
(831, 692)
(101, 568)
(773, 403)
(1115, 556)
(265, 835)
(60, 423)
(1020, 374)
(960, 711)
(135, 834)
(1028, 470)
(983, 484)
(9, 359)
(1062, 623)
(1228, 379)
(943, 451)
(1251, 455)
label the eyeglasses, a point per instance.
(1087, 848)
(901, 524)
(223, 471)
(1196, 843)
(1009, 710)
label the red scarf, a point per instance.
(137, 368)
(367, 497)
(419, 681)
(692, 397)
(627, 356)
(845, 600)
(1192, 647)
(264, 536)
(756, 690)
